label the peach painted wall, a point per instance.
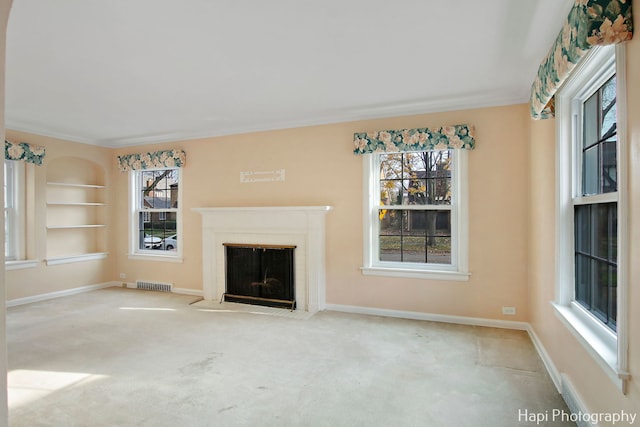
(322, 170)
(44, 279)
(596, 389)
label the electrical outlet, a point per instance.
(508, 310)
(123, 276)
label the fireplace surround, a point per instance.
(299, 226)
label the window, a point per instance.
(14, 214)
(156, 218)
(591, 273)
(595, 204)
(415, 214)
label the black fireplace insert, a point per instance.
(260, 275)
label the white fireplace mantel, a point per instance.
(302, 226)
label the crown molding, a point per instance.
(434, 105)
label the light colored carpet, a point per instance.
(122, 357)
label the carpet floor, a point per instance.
(123, 357)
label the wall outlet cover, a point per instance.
(508, 310)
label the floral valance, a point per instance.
(157, 159)
(420, 139)
(590, 23)
(28, 153)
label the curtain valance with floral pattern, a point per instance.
(157, 159)
(590, 23)
(23, 151)
(420, 139)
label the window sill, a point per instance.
(154, 257)
(20, 265)
(601, 344)
(416, 274)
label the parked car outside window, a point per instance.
(170, 243)
(152, 242)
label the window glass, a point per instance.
(595, 222)
(412, 228)
(157, 209)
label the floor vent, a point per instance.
(154, 286)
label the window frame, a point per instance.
(458, 269)
(15, 213)
(134, 211)
(607, 347)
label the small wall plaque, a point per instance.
(262, 176)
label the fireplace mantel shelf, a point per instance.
(299, 226)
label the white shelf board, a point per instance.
(67, 184)
(66, 227)
(76, 204)
(76, 258)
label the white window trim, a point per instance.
(609, 349)
(17, 234)
(149, 255)
(458, 270)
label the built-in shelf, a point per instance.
(76, 203)
(62, 227)
(69, 259)
(66, 184)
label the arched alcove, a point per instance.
(76, 210)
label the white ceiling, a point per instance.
(128, 72)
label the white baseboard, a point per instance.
(472, 321)
(58, 294)
(546, 359)
(185, 291)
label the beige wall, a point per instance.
(570, 358)
(44, 279)
(322, 170)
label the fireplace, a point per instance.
(299, 226)
(260, 275)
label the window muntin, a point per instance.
(156, 213)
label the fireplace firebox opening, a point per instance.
(260, 275)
